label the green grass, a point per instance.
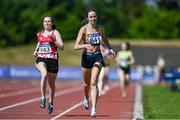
(161, 103)
(22, 55)
(70, 57)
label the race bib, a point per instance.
(123, 63)
(45, 48)
(94, 39)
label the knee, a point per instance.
(44, 75)
(86, 85)
(93, 84)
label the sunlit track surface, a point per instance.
(111, 106)
(23, 102)
(10, 98)
(29, 87)
(15, 85)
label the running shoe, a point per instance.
(50, 108)
(86, 104)
(43, 102)
(93, 112)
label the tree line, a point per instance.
(21, 19)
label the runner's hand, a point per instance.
(52, 38)
(113, 52)
(89, 47)
(35, 53)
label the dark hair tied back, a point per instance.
(128, 45)
(86, 16)
(53, 21)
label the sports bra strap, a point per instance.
(53, 33)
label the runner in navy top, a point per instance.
(92, 35)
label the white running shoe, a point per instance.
(86, 104)
(93, 112)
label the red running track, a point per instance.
(20, 100)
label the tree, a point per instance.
(169, 4)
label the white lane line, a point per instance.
(68, 110)
(138, 106)
(20, 92)
(60, 93)
(25, 91)
(77, 105)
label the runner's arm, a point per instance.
(58, 40)
(78, 44)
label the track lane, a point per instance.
(8, 98)
(35, 93)
(111, 106)
(33, 111)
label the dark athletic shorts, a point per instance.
(125, 69)
(88, 59)
(51, 64)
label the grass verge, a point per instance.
(161, 103)
(22, 55)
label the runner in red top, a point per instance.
(49, 39)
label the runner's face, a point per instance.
(123, 46)
(47, 23)
(92, 18)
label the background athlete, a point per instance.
(92, 35)
(49, 39)
(124, 60)
(104, 74)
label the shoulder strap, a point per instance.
(53, 32)
(100, 29)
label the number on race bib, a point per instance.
(94, 39)
(45, 48)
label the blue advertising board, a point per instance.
(65, 73)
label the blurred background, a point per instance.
(151, 26)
